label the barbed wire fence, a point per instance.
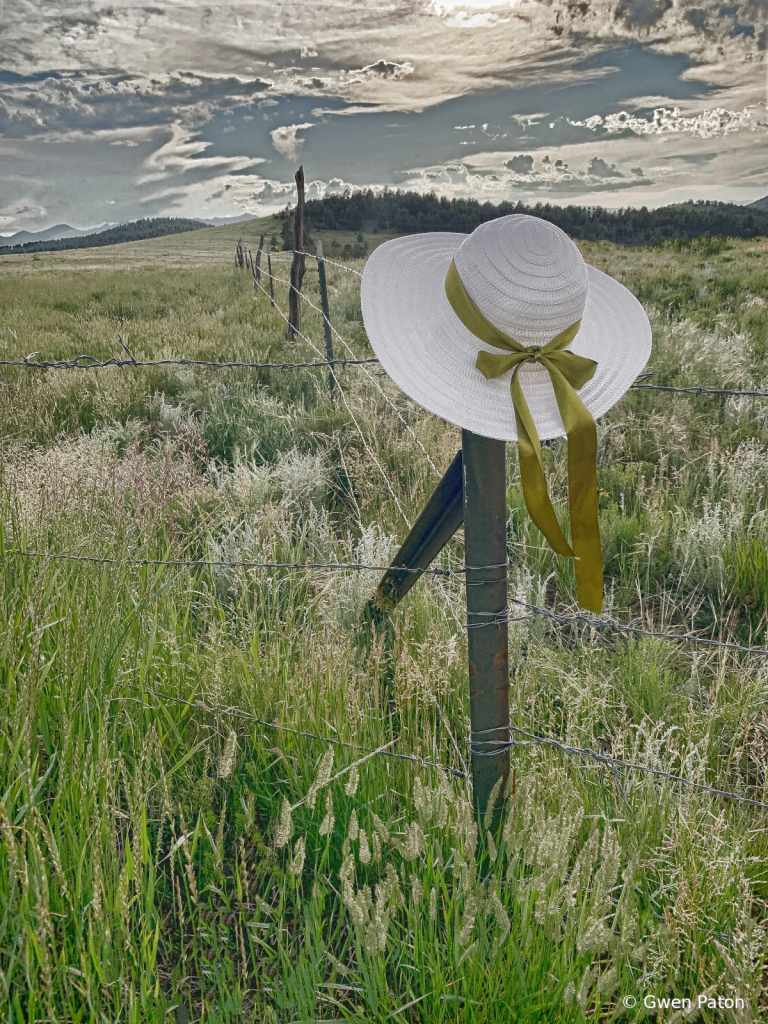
(89, 362)
(439, 574)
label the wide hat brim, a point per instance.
(431, 355)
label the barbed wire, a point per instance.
(613, 762)
(314, 256)
(612, 626)
(699, 390)
(198, 563)
(492, 618)
(84, 361)
(199, 705)
(501, 747)
(93, 363)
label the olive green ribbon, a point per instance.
(567, 371)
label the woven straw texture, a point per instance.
(530, 281)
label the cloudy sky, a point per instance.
(114, 111)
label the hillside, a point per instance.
(409, 212)
(134, 231)
(760, 204)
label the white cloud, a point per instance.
(388, 70)
(458, 7)
(486, 20)
(182, 153)
(709, 124)
(285, 141)
(16, 215)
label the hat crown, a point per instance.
(525, 275)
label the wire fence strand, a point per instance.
(491, 618)
(614, 762)
(84, 361)
(228, 712)
(223, 563)
(314, 256)
(87, 362)
(696, 390)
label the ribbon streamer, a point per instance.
(568, 372)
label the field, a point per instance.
(162, 859)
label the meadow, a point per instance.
(163, 859)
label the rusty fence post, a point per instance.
(326, 313)
(485, 547)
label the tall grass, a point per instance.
(159, 853)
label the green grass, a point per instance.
(147, 858)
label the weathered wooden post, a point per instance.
(485, 552)
(256, 268)
(298, 266)
(326, 312)
(269, 271)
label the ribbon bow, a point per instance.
(568, 372)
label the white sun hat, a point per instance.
(530, 281)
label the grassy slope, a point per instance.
(186, 249)
(144, 857)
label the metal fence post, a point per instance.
(485, 546)
(326, 312)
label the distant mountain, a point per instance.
(217, 222)
(57, 231)
(135, 231)
(760, 204)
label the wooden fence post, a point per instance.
(485, 548)
(326, 313)
(256, 269)
(269, 271)
(240, 254)
(298, 266)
